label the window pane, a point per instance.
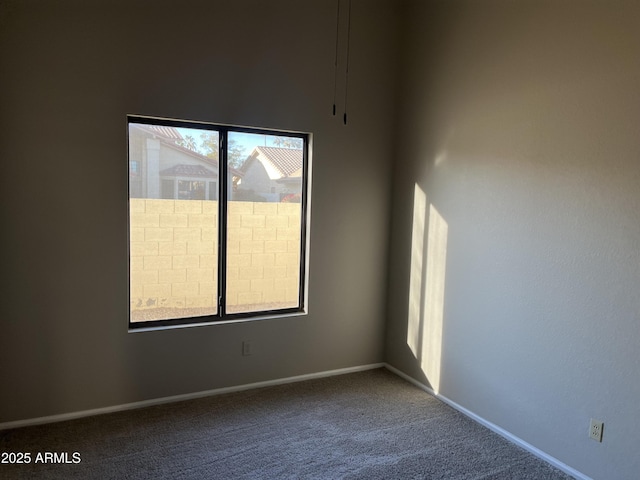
(173, 224)
(264, 222)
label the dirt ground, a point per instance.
(163, 313)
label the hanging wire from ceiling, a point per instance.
(335, 64)
(346, 76)
(337, 56)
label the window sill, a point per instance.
(218, 322)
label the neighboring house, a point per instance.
(270, 174)
(160, 168)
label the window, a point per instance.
(217, 222)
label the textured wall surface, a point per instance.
(71, 72)
(174, 255)
(519, 135)
(514, 227)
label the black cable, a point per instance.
(335, 64)
(346, 78)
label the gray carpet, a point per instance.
(369, 425)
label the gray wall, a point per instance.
(520, 122)
(71, 71)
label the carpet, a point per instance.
(368, 425)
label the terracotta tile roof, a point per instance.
(188, 171)
(169, 136)
(285, 160)
(169, 133)
(297, 173)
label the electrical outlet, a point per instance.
(247, 348)
(596, 428)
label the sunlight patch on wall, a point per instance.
(434, 298)
(441, 157)
(415, 282)
(427, 286)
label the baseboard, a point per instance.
(493, 427)
(299, 378)
(187, 396)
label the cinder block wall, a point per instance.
(174, 253)
(263, 247)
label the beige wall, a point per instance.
(519, 147)
(71, 72)
(517, 120)
(174, 255)
(263, 246)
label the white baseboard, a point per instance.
(493, 427)
(299, 378)
(187, 396)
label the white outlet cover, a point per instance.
(596, 428)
